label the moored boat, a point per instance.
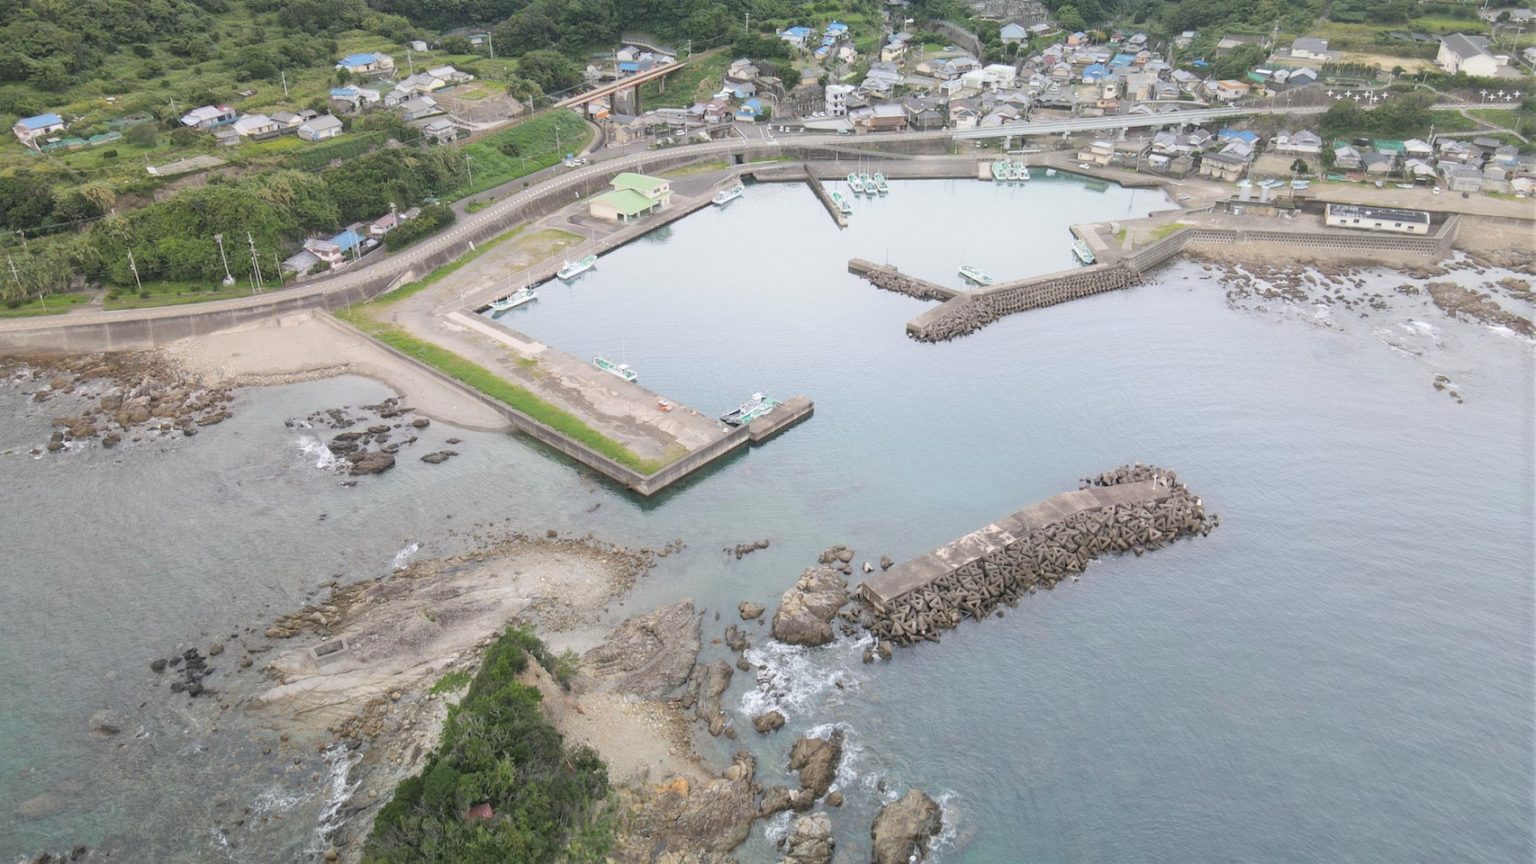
(1002, 170)
(1083, 253)
(1021, 171)
(842, 203)
(881, 186)
(1050, 172)
(726, 196)
(855, 184)
(517, 298)
(620, 370)
(572, 269)
(749, 410)
(975, 275)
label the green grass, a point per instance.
(498, 388)
(56, 304)
(176, 294)
(442, 272)
(719, 165)
(458, 679)
(1162, 231)
(535, 143)
(699, 80)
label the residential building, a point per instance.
(335, 250)
(1299, 78)
(320, 128)
(836, 97)
(894, 50)
(209, 116)
(1377, 164)
(1418, 149)
(226, 136)
(371, 64)
(352, 98)
(1376, 218)
(1309, 48)
(258, 127)
(1222, 165)
(419, 107)
(417, 45)
(1013, 33)
(1346, 158)
(1469, 54)
(884, 116)
(796, 36)
(1461, 178)
(1228, 91)
(383, 225)
(29, 130)
(1301, 143)
(441, 130)
(632, 196)
(924, 112)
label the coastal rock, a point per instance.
(372, 463)
(709, 684)
(650, 655)
(777, 799)
(439, 457)
(735, 639)
(834, 799)
(903, 828)
(810, 841)
(817, 759)
(743, 549)
(420, 423)
(688, 821)
(805, 613)
(41, 806)
(750, 611)
(105, 724)
(768, 722)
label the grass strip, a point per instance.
(498, 388)
(444, 271)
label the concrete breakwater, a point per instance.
(967, 313)
(888, 278)
(1133, 508)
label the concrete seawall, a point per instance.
(1131, 509)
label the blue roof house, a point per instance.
(1096, 72)
(796, 36)
(1122, 60)
(1242, 135)
(836, 28)
(29, 129)
(368, 63)
(750, 110)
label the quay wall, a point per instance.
(1134, 508)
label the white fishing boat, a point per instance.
(842, 204)
(726, 196)
(514, 300)
(1050, 172)
(1083, 253)
(856, 184)
(881, 186)
(975, 275)
(1021, 171)
(571, 269)
(749, 410)
(620, 370)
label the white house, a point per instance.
(320, 128)
(29, 129)
(1309, 48)
(1461, 52)
(209, 116)
(837, 99)
(258, 126)
(1301, 143)
(1376, 218)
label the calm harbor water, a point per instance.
(1341, 672)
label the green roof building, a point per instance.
(632, 196)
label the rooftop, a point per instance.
(1353, 211)
(638, 182)
(626, 201)
(41, 121)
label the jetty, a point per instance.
(833, 210)
(1134, 508)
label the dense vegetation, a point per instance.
(497, 749)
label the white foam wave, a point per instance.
(793, 679)
(776, 827)
(313, 447)
(403, 557)
(339, 787)
(949, 829)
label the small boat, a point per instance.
(881, 186)
(855, 184)
(1304, 184)
(514, 300)
(749, 410)
(1083, 253)
(842, 203)
(1002, 171)
(572, 269)
(621, 370)
(869, 183)
(1050, 172)
(726, 196)
(1021, 171)
(974, 274)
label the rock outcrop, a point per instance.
(650, 655)
(810, 840)
(817, 759)
(697, 823)
(903, 828)
(709, 684)
(806, 611)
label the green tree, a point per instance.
(550, 70)
(1069, 19)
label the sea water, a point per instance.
(1340, 672)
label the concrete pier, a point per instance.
(1133, 508)
(889, 278)
(837, 214)
(791, 411)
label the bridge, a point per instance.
(631, 82)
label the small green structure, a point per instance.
(632, 196)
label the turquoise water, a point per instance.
(1341, 672)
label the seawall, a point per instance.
(1134, 508)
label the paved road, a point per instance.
(506, 212)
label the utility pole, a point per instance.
(409, 62)
(284, 74)
(24, 247)
(229, 278)
(279, 268)
(135, 269)
(17, 276)
(256, 285)
(749, 23)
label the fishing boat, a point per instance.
(1002, 171)
(881, 186)
(726, 196)
(571, 269)
(517, 298)
(1083, 253)
(1022, 171)
(842, 203)
(621, 370)
(974, 274)
(869, 183)
(855, 184)
(749, 410)
(1050, 172)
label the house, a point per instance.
(208, 117)
(290, 120)
(302, 262)
(1460, 52)
(1309, 48)
(354, 98)
(1376, 218)
(1299, 78)
(320, 128)
(1417, 149)
(924, 112)
(749, 110)
(836, 30)
(884, 116)
(1228, 135)
(1095, 73)
(383, 225)
(796, 36)
(371, 64)
(258, 127)
(1222, 165)
(1012, 34)
(226, 136)
(1377, 164)
(1460, 178)
(440, 131)
(1346, 158)
(416, 45)
(1185, 39)
(419, 107)
(334, 250)
(29, 129)
(1530, 55)
(964, 114)
(1228, 91)
(836, 98)
(632, 196)
(1301, 143)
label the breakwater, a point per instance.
(967, 313)
(1134, 508)
(888, 278)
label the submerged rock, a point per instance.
(768, 722)
(376, 462)
(749, 610)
